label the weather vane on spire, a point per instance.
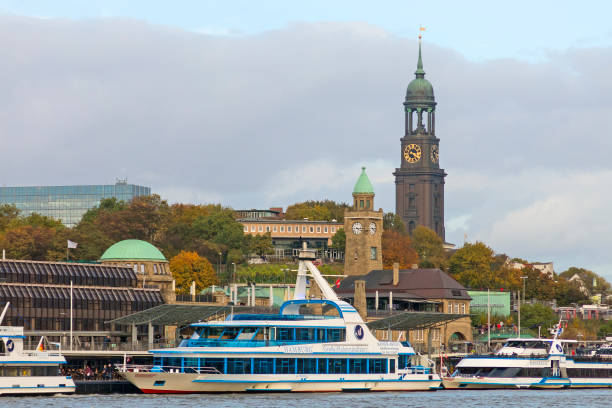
(421, 29)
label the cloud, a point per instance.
(292, 114)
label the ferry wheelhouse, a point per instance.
(532, 363)
(295, 350)
(29, 372)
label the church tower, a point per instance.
(363, 227)
(419, 182)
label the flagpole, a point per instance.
(71, 315)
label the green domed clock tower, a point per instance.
(419, 182)
(363, 228)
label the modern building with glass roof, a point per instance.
(67, 203)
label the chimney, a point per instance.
(395, 273)
(360, 299)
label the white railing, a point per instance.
(136, 368)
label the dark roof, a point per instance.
(61, 273)
(413, 320)
(23, 291)
(413, 284)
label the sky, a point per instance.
(260, 104)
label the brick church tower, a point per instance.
(363, 227)
(419, 182)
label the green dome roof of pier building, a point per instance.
(132, 249)
(363, 185)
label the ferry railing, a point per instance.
(140, 368)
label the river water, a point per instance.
(448, 399)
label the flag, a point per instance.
(72, 245)
(41, 345)
(337, 283)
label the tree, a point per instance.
(591, 281)
(187, 267)
(429, 247)
(471, 266)
(538, 315)
(8, 214)
(568, 292)
(220, 227)
(393, 222)
(326, 210)
(260, 244)
(397, 248)
(339, 240)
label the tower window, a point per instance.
(411, 202)
(367, 203)
(360, 203)
(411, 188)
(411, 226)
(373, 253)
(355, 255)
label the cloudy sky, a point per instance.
(259, 104)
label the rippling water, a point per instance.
(456, 399)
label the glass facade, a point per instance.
(67, 203)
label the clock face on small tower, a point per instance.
(357, 228)
(412, 153)
(372, 228)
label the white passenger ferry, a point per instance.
(532, 363)
(29, 372)
(294, 351)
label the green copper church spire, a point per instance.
(420, 73)
(363, 185)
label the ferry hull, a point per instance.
(532, 383)
(36, 385)
(178, 383)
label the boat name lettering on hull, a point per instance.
(297, 349)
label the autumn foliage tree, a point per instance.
(187, 267)
(429, 247)
(397, 248)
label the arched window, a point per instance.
(411, 226)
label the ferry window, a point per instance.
(190, 363)
(391, 365)
(284, 333)
(320, 335)
(285, 366)
(263, 366)
(336, 365)
(358, 366)
(158, 361)
(306, 365)
(212, 364)
(305, 334)
(238, 366)
(404, 361)
(378, 366)
(173, 362)
(334, 335)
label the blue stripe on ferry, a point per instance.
(311, 381)
(33, 362)
(280, 354)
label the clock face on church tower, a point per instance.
(435, 153)
(412, 153)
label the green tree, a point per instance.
(568, 292)
(260, 244)
(592, 281)
(339, 240)
(8, 214)
(538, 315)
(220, 227)
(430, 248)
(187, 267)
(326, 210)
(393, 222)
(471, 266)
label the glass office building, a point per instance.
(67, 203)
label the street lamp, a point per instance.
(219, 269)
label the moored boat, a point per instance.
(29, 372)
(296, 350)
(532, 363)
